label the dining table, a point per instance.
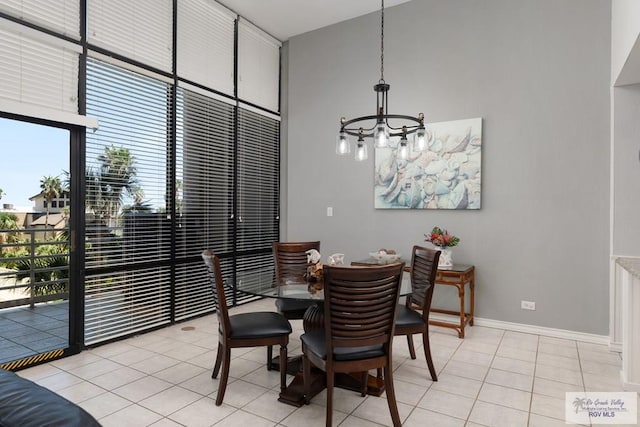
(313, 320)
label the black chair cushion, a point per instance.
(293, 308)
(316, 343)
(24, 403)
(259, 325)
(406, 317)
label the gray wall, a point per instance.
(538, 74)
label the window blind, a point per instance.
(140, 30)
(204, 195)
(60, 16)
(258, 67)
(128, 231)
(204, 170)
(258, 195)
(39, 71)
(205, 44)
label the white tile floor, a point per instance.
(491, 378)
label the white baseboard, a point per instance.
(530, 329)
(628, 386)
(615, 346)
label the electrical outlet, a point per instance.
(527, 305)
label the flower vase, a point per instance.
(445, 260)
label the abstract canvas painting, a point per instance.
(447, 175)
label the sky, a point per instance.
(28, 153)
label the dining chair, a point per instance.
(290, 260)
(254, 329)
(360, 306)
(424, 267)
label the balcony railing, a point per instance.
(34, 266)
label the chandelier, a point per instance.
(379, 126)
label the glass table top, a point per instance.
(304, 291)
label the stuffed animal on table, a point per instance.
(314, 273)
(314, 269)
(313, 256)
(336, 259)
(315, 278)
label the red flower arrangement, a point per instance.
(441, 238)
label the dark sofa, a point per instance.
(26, 404)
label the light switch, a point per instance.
(329, 211)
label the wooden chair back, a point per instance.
(360, 305)
(291, 260)
(214, 271)
(424, 267)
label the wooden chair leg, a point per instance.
(269, 357)
(283, 367)
(363, 383)
(306, 376)
(412, 350)
(427, 355)
(330, 381)
(216, 367)
(391, 396)
(222, 385)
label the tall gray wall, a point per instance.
(538, 74)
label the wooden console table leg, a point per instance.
(472, 290)
(462, 311)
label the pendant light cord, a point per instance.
(382, 44)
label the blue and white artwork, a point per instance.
(447, 175)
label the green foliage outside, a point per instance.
(8, 221)
(51, 263)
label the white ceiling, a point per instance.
(286, 18)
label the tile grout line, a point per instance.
(533, 382)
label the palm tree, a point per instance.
(51, 187)
(93, 193)
(117, 176)
(139, 204)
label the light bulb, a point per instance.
(381, 135)
(361, 151)
(342, 144)
(420, 140)
(403, 149)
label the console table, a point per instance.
(458, 275)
